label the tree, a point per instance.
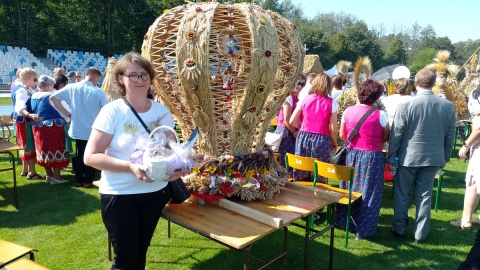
(422, 58)
(333, 23)
(427, 37)
(356, 41)
(465, 49)
(316, 42)
(396, 53)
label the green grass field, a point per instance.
(5, 101)
(64, 224)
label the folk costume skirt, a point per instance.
(368, 180)
(49, 136)
(287, 145)
(25, 140)
(312, 145)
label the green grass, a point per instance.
(65, 225)
(5, 101)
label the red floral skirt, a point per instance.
(22, 141)
(50, 146)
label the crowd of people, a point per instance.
(419, 131)
(415, 134)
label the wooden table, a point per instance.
(244, 223)
(7, 147)
(225, 227)
(9, 252)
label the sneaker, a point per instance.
(53, 181)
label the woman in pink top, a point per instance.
(318, 128)
(283, 126)
(365, 154)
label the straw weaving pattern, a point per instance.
(226, 68)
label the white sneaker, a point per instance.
(53, 181)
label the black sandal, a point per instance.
(35, 177)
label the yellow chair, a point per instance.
(337, 172)
(299, 163)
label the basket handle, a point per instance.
(167, 127)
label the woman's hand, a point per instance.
(176, 174)
(34, 117)
(462, 153)
(139, 171)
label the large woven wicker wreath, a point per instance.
(226, 68)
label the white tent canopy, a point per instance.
(332, 72)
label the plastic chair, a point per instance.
(439, 178)
(337, 172)
(299, 163)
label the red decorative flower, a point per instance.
(198, 9)
(268, 53)
(237, 174)
(262, 187)
(226, 187)
(252, 109)
(145, 37)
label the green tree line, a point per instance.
(118, 26)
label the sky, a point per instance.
(459, 20)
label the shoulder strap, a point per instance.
(359, 124)
(136, 114)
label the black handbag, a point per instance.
(340, 156)
(179, 191)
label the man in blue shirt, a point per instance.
(85, 100)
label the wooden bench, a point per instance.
(24, 264)
(10, 252)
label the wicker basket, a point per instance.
(157, 166)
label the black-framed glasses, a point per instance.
(136, 77)
(302, 84)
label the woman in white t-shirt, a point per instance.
(131, 202)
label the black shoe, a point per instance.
(397, 235)
(418, 242)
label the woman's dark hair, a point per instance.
(476, 93)
(60, 79)
(338, 82)
(370, 91)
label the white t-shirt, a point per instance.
(473, 104)
(128, 136)
(391, 103)
(336, 93)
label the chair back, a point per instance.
(5, 123)
(337, 172)
(299, 162)
(334, 172)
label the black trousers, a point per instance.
(472, 262)
(83, 173)
(131, 221)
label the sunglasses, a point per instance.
(301, 83)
